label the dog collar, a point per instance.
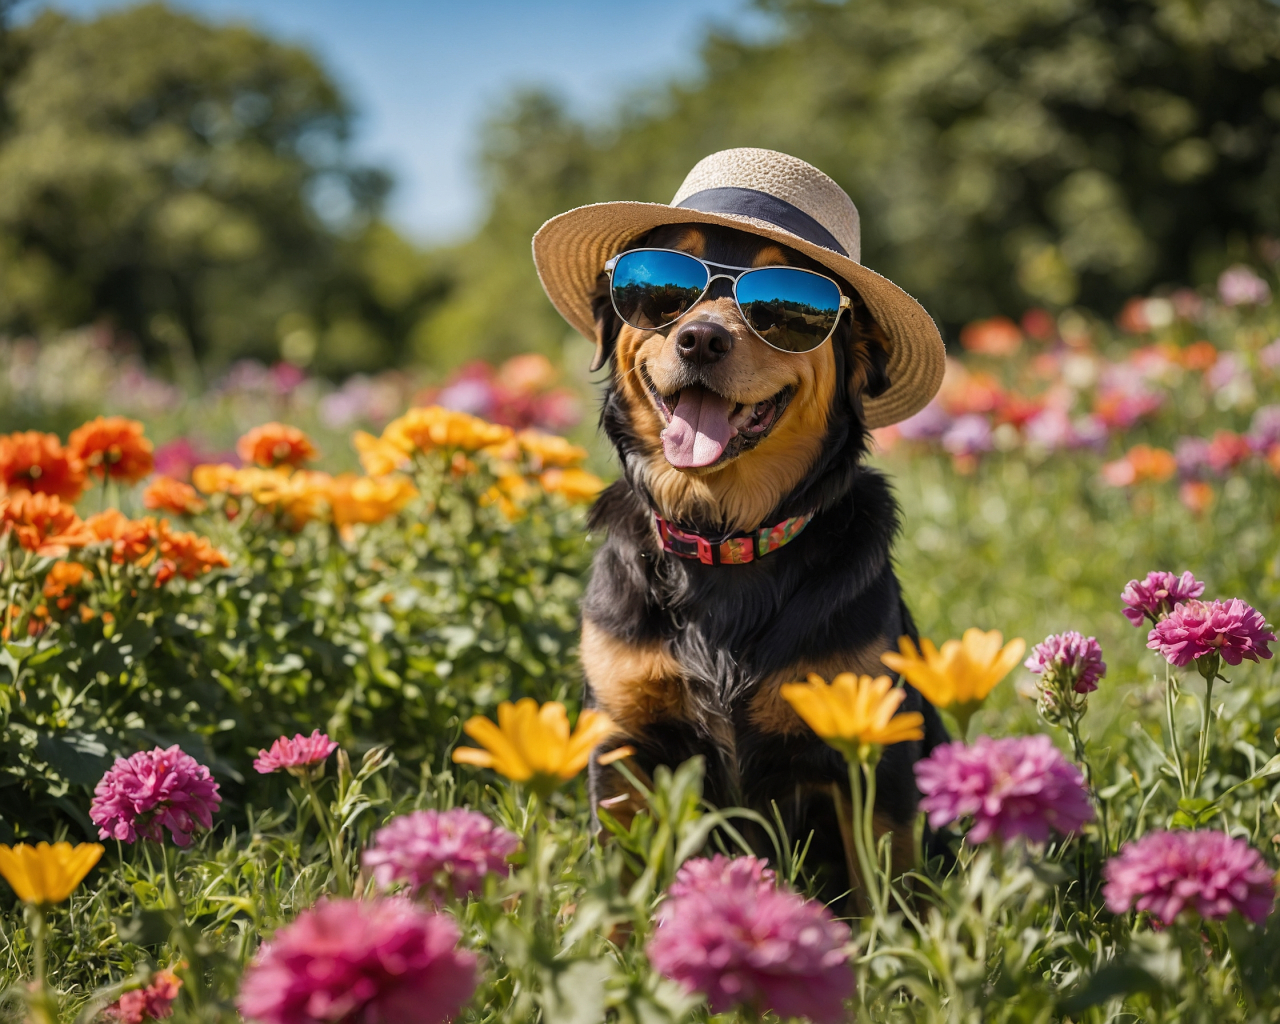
(735, 549)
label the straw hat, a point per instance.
(765, 193)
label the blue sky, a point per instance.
(424, 75)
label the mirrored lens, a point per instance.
(791, 309)
(653, 288)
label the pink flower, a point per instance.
(152, 790)
(1240, 286)
(155, 1002)
(381, 962)
(1015, 786)
(928, 424)
(1208, 872)
(1073, 659)
(301, 752)
(1231, 629)
(1157, 595)
(436, 852)
(968, 435)
(728, 932)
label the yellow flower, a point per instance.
(377, 456)
(963, 672)
(854, 711)
(572, 484)
(44, 873)
(367, 499)
(533, 744)
(215, 479)
(550, 450)
(422, 429)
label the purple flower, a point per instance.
(1264, 430)
(1208, 872)
(928, 424)
(1015, 786)
(293, 755)
(436, 852)
(1074, 660)
(152, 790)
(1231, 629)
(728, 932)
(380, 962)
(1157, 595)
(1195, 458)
(1240, 286)
(968, 435)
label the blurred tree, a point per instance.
(192, 185)
(1001, 154)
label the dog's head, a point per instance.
(719, 429)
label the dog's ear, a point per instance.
(607, 321)
(868, 360)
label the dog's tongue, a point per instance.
(699, 429)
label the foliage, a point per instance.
(1001, 155)
(191, 185)
(298, 633)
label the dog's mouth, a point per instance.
(704, 428)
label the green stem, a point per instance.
(1078, 747)
(41, 1004)
(341, 874)
(1171, 725)
(863, 808)
(1206, 720)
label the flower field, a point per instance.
(288, 742)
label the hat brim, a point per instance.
(570, 251)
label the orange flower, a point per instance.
(1139, 464)
(422, 429)
(37, 462)
(131, 540)
(573, 484)
(276, 444)
(1200, 355)
(549, 450)
(215, 479)
(112, 446)
(1197, 495)
(510, 494)
(367, 499)
(43, 523)
(998, 336)
(377, 456)
(165, 494)
(188, 554)
(63, 575)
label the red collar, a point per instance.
(734, 549)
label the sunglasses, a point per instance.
(789, 309)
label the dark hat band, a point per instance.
(747, 202)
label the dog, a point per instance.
(688, 658)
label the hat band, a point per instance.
(747, 202)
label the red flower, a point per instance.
(38, 463)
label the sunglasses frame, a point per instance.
(845, 301)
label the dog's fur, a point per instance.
(688, 658)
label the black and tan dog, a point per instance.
(688, 657)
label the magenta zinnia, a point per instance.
(437, 852)
(155, 1002)
(151, 791)
(1230, 629)
(1208, 872)
(1157, 595)
(291, 755)
(380, 962)
(1015, 786)
(728, 932)
(1072, 660)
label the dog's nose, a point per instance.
(703, 342)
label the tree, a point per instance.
(1001, 154)
(192, 185)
